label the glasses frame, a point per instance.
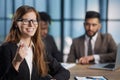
(28, 21)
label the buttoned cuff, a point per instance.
(96, 58)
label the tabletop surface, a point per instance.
(83, 70)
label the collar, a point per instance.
(21, 42)
(93, 38)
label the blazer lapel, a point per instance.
(98, 43)
(35, 73)
(82, 46)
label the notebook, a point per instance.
(109, 66)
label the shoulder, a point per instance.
(106, 35)
(8, 49)
(78, 39)
(49, 37)
(8, 45)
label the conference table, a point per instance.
(84, 71)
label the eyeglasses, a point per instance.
(26, 21)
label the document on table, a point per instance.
(90, 78)
(68, 65)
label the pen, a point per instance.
(75, 78)
(88, 77)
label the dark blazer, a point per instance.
(52, 48)
(105, 46)
(7, 71)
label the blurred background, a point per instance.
(67, 18)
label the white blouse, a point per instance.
(29, 56)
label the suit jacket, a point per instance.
(105, 47)
(7, 71)
(52, 48)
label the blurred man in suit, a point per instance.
(47, 38)
(93, 46)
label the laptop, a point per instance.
(109, 66)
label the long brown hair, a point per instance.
(15, 36)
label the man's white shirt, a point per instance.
(93, 40)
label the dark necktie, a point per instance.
(90, 47)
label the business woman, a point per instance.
(23, 56)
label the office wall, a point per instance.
(73, 17)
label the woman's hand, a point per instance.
(20, 55)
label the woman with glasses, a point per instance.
(22, 55)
